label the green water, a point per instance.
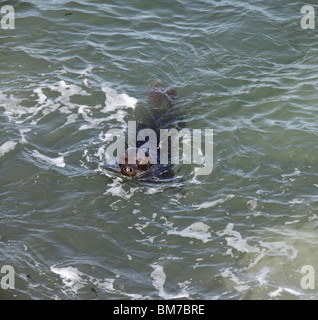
(74, 228)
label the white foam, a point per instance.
(194, 180)
(292, 222)
(71, 118)
(115, 105)
(261, 276)
(166, 222)
(296, 201)
(280, 290)
(153, 190)
(159, 279)
(275, 293)
(261, 251)
(12, 106)
(184, 285)
(59, 161)
(67, 90)
(115, 100)
(252, 204)
(197, 230)
(7, 147)
(85, 127)
(313, 217)
(74, 280)
(70, 277)
(279, 248)
(116, 188)
(235, 240)
(268, 261)
(211, 204)
(140, 227)
(295, 173)
(22, 132)
(240, 285)
(148, 238)
(41, 95)
(86, 71)
(85, 81)
(85, 111)
(118, 116)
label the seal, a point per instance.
(143, 163)
(155, 116)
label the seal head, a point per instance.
(140, 162)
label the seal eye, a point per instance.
(128, 169)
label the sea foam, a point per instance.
(7, 147)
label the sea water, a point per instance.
(73, 227)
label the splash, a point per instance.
(159, 278)
(75, 280)
(7, 147)
(197, 230)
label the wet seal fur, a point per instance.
(156, 116)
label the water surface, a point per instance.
(74, 228)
